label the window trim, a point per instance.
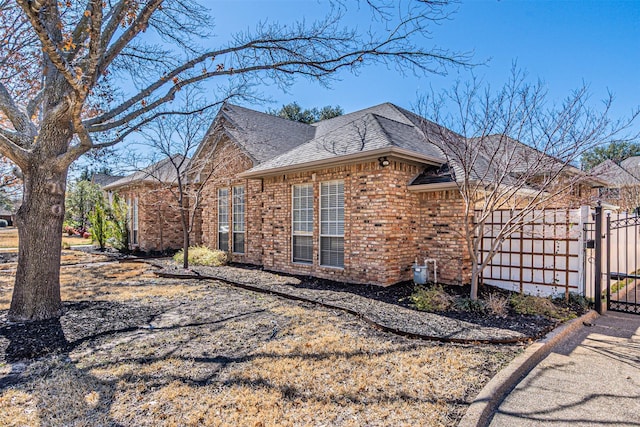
(234, 205)
(295, 233)
(219, 223)
(321, 235)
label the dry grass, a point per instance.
(218, 356)
(9, 239)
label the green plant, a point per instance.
(532, 305)
(119, 224)
(574, 300)
(497, 304)
(468, 305)
(202, 255)
(99, 224)
(433, 298)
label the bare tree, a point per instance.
(513, 150)
(175, 138)
(61, 62)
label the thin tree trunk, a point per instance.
(36, 293)
(185, 237)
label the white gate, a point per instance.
(546, 256)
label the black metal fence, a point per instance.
(622, 260)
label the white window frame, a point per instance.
(223, 219)
(238, 226)
(331, 229)
(301, 227)
(135, 222)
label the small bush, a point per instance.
(574, 301)
(66, 245)
(497, 304)
(434, 298)
(529, 304)
(201, 255)
(3, 223)
(469, 305)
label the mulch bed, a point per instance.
(387, 308)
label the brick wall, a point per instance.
(224, 162)
(159, 224)
(441, 235)
(386, 226)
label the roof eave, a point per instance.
(396, 152)
(426, 188)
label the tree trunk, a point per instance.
(475, 280)
(185, 239)
(36, 293)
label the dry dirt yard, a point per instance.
(135, 350)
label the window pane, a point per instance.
(223, 219)
(332, 223)
(332, 251)
(238, 243)
(223, 241)
(238, 219)
(303, 249)
(302, 218)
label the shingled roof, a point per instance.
(260, 136)
(372, 130)
(163, 171)
(617, 175)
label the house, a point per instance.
(154, 212)
(7, 215)
(621, 183)
(357, 198)
(346, 199)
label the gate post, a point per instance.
(598, 260)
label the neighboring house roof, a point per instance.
(103, 179)
(617, 175)
(632, 166)
(163, 171)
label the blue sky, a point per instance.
(563, 43)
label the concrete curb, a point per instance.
(481, 411)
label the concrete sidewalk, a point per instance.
(590, 379)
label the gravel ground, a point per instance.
(388, 308)
(132, 349)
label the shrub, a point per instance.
(469, 305)
(434, 298)
(201, 255)
(118, 215)
(99, 224)
(3, 223)
(66, 245)
(497, 304)
(529, 304)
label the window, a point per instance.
(134, 221)
(302, 223)
(332, 223)
(223, 219)
(238, 220)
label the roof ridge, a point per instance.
(384, 130)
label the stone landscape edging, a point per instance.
(364, 317)
(485, 404)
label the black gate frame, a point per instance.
(604, 239)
